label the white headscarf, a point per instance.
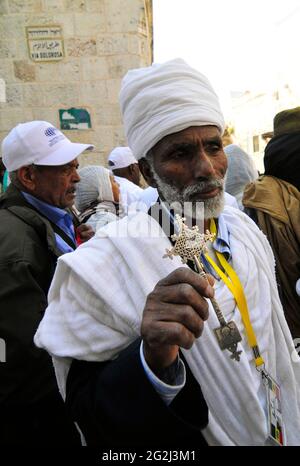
(94, 185)
(241, 171)
(163, 99)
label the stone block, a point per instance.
(93, 93)
(8, 49)
(139, 45)
(87, 24)
(82, 47)
(75, 5)
(11, 117)
(14, 95)
(46, 114)
(4, 121)
(57, 6)
(108, 115)
(38, 20)
(3, 7)
(25, 6)
(34, 95)
(123, 15)
(113, 87)
(3, 133)
(94, 157)
(112, 44)
(94, 68)
(59, 72)
(143, 62)
(65, 20)
(134, 44)
(69, 70)
(103, 138)
(12, 27)
(22, 50)
(6, 70)
(47, 71)
(24, 71)
(102, 158)
(118, 136)
(118, 65)
(95, 6)
(2, 90)
(61, 95)
(5, 124)
(83, 136)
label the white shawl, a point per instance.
(95, 309)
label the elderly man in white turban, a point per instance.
(147, 351)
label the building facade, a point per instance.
(63, 60)
(253, 115)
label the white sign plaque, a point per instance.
(45, 43)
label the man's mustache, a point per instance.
(203, 186)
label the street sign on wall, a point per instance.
(45, 43)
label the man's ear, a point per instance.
(130, 171)
(146, 171)
(26, 177)
(133, 168)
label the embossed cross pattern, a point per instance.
(189, 242)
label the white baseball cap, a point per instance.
(39, 143)
(121, 157)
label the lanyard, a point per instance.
(233, 283)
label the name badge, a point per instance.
(275, 424)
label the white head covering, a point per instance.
(241, 171)
(94, 185)
(121, 157)
(164, 99)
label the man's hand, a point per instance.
(84, 232)
(174, 316)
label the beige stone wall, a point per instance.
(102, 40)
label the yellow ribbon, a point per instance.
(234, 285)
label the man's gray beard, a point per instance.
(183, 202)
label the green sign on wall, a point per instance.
(74, 118)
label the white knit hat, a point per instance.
(163, 99)
(94, 185)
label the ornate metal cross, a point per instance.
(189, 245)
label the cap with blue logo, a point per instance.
(39, 143)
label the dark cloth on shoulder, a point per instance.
(282, 158)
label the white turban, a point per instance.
(163, 99)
